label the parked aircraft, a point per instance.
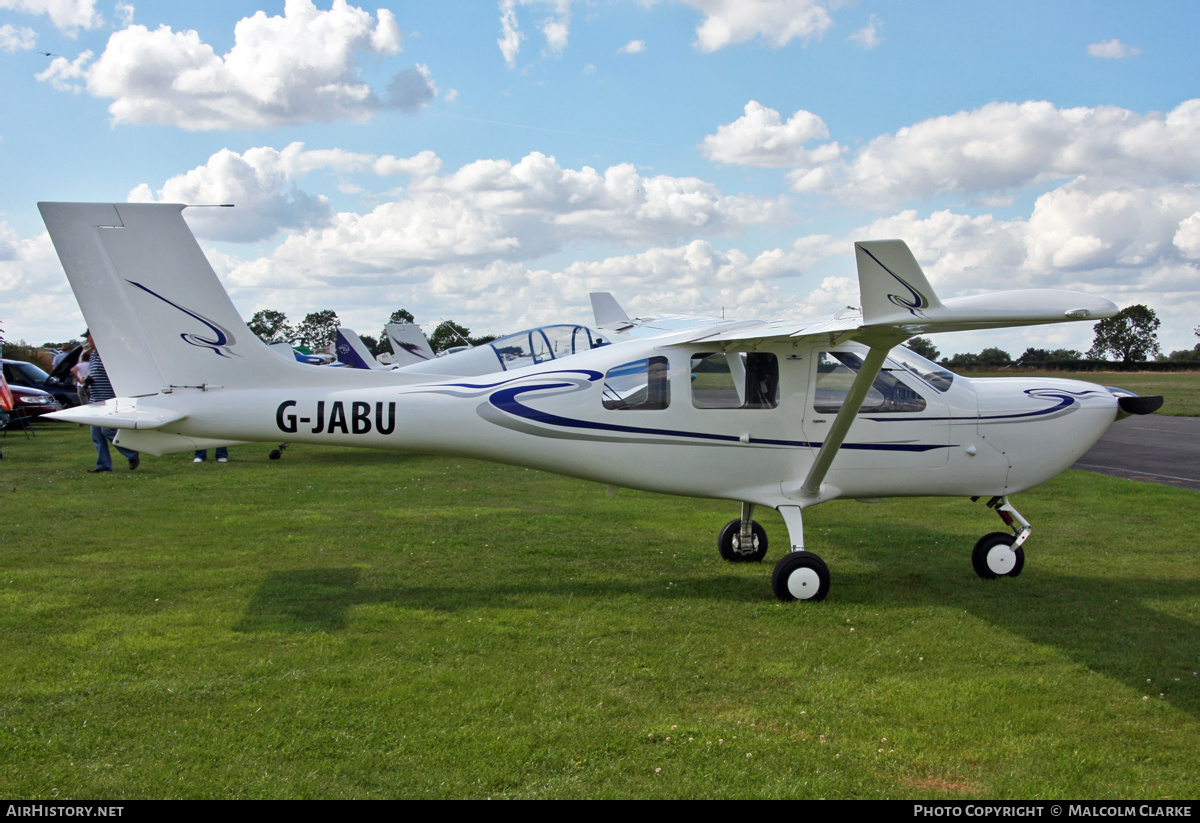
(785, 414)
(353, 352)
(409, 343)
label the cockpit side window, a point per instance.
(735, 380)
(836, 371)
(638, 385)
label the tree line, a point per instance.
(318, 331)
(1129, 336)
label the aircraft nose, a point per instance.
(1129, 403)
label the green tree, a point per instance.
(963, 361)
(1033, 357)
(994, 358)
(270, 325)
(1131, 335)
(318, 329)
(373, 345)
(449, 334)
(924, 347)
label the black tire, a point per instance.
(730, 538)
(800, 576)
(275, 454)
(989, 559)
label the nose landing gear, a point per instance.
(999, 554)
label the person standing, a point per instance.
(202, 454)
(102, 390)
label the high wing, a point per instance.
(898, 303)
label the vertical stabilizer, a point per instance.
(409, 344)
(606, 309)
(891, 284)
(158, 313)
(352, 351)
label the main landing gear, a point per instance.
(743, 540)
(799, 575)
(802, 575)
(1000, 554)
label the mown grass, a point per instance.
(364, 624)
(1180, 390)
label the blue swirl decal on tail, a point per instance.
(224, 338)
(918, 301)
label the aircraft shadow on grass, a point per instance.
(1107, 626)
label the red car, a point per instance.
(29, 404)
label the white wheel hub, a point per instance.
(1001, 559)
(804, 583)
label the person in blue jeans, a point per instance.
(202, 455)
(102, 390)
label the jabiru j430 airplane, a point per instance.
(785, 414)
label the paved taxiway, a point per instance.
(1153, 448)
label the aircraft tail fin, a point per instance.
(157, 312)
(409, 344)
(352, 351)
(607, 310)
(890, 281)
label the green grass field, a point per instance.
(362, 624)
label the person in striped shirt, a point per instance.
(102, 390)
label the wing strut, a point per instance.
(845, 416)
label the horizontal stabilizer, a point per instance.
(158, 443)
(116, 414)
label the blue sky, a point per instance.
(493, 162)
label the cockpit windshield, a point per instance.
(930, 372)
(544, 343)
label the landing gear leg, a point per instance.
(743, 540)
(999, 554)
(799, 575)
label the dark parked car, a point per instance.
(29, 403)
(20, 373)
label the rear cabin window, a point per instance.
(836, 371)
(639, 385)
(735, 380)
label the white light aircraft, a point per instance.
(785, 414)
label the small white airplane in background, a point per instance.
(785, 414)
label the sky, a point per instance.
(494, 162)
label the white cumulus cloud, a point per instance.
(778, 22)
(487, 212)
(294, 68)
(1111, 50)
(68, 15)
(1004, 147)
(16, 39)
(868, 36)
(555, 27)
(761, 138)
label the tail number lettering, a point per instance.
(358, 421)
